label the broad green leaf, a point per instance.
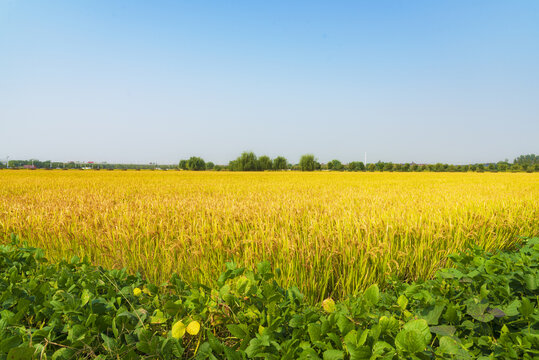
(158, 317)
(351, 337)
(236, 331)
(372, 294)
(414, 337)
(447, 330)
(358, 352)
(512, 308)
(477, 311)
(451, 314)
(215, 344)
(9, 343)
(432, 313)
(531, 281)
(344, 324)
(85, 296)
(63, 354)
(402, 301)
(314, 331)
(263, 267)
(449, 346)
(77, 332)
(526, 307)
(333, 354)
(381, 348)
(108, 342)
(256, 347)
(21, 353)
(362, 338)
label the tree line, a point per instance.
(37, 164)
(248, 161)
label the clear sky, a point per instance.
(146, 81)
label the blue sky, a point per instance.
(146, 81)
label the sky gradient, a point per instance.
(139, 81)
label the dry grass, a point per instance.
(329, 233)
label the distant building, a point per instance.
(29, 167)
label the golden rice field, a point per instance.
(329, 233)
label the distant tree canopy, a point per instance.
(196, 164)
(335, 165)
(530, 159)
(280, 163)
(248, 161)
(265, 163)
(356, 166)
(307, 163)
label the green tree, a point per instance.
(247, 161)
(183, 164)
(356, 166)
(502, 166)
(210, 165)
(307, 162)
(530, 159)
(265, 163)
(439, 167)
(196, 164)
(280, 163)
(335, 165)
(232, 165)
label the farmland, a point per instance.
(331, 234)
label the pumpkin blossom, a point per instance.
(137, 291)
(178, 330)
(193, 328)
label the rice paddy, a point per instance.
(329, 233)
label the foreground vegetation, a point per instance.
(331, 234)
(485, 307)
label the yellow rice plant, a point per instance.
(329, 233)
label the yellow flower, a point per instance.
(328, 305)
(193, 328)
(137, 291)
(178, 330)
